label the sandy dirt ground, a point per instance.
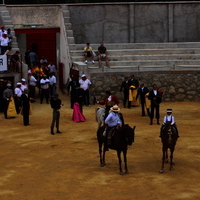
(35, 165)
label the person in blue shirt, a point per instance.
(112, 121)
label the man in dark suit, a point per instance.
(71, 88)
(142, 91)
(155, 96)
(133, 85)
(125, 88)
(25, 106)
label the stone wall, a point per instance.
(136, 22)
(176, 85)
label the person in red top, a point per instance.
(109, 101)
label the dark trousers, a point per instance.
(55, 119)
(86, 98)
(32, 91)
(157, 108)
(125, 99)
(6, 103)
(44, 93)
(52, 89)
(26, 116)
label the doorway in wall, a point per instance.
(42, 42)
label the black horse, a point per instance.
(169, 138)
(123, 137)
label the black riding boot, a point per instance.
(51, 129)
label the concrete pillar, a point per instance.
(131, 23)
(171, 22)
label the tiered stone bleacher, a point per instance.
(143, 56)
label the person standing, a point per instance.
(32, 85)
(71, 88)
(52, 83)
(141, 92)
(125, 88)
(33, 59)
(56, 104)
(44, 84)
(25, 107)
(85, 84)
(133, 85)
(52, 68)
(4, 43)
(17, 97)
(155, 96)
(7, 93)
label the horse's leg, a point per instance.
(100, 154)
(163, 160)
(171, 159)
(125, 161)
(166, 156)
(120, 162)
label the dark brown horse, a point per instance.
(123, 137)
(169, 138)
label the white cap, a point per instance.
(18, 83)
(83, 75)
(23, 79)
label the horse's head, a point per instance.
(169, 134)
(129, 133)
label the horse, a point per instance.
(123, 137)
(100, 116)
(169, 138)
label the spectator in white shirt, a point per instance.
(44, 84)
(85, 84)
(24, 84)
(52, 67)
(52, 84)
(4, 43)
(17, 96)
(32, 85)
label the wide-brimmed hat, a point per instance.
(115, 108)
(169, 110)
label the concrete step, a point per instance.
(69, 33)
(149, 63)
(144, 57)
(66, 12)
(66, 19)
(70, 40)
(68, 26)
(121, 52)
(110, 46)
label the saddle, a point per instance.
(110, 135)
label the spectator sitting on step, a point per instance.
(88, 53)
(102, 53)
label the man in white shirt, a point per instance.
(23, 84)
(52, 68)
(52, 84)
(85, 84)
(44, 84)
(32, 85)
(18, 94)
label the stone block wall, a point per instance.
(144, 22)
(176, 85)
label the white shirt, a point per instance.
(4, 41)
(23, 87)
(169, 118)
(18, 92)
(3, 32)
(155, 92)
(52, 80)
(44, 83)
(32, 81)
(85, 84)
(52, 68)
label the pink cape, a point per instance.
(77, 114)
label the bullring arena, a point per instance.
(36, 165)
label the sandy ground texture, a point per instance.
(35, 165)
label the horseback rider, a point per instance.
(168, 119)
(112, 121)
(109, 101)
